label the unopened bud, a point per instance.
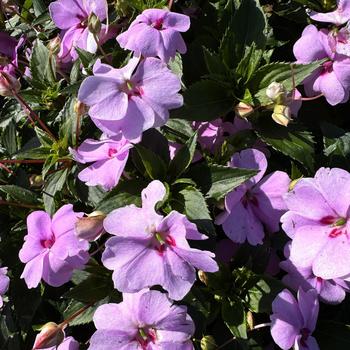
(276, 92)
(36, 181)
(80, 108)
(90, 227)
(282, 115)
(9, 85)
(203, 277)
(54, 45)
(243, 110)
(94, 24)
(208, 343)
(50, 335)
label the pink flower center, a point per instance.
(131, 89)
(112, 152)
(163, 241)
(47, 243)
(327, 67)
(336, 224)
(145, 336)
(158, 24)
(249, 198)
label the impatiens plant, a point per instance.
(174, 175)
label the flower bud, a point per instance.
(80, 108)
(54, 45)
(243, 110)
(208, 343)
(36, 181)
(276, 92)
(90, 227)
(282, 115)
(50, 335)
(9, 85)
(250, 320)
(94, 24)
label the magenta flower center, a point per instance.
(327, 67)
(145, 336)
(336, 224)
(162, 241)
(112, 152)
(158, 24)
(131, 89)
(47, 243)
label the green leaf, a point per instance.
(205, 100)
(175, 65)
(336, 145)
(68, 118)
(92, 289)
(9, 138)
(87, 59)
(35, 153)
(260, 296)
(154, 165)
(214, 63)
(86, 316)
(196, 210)
(44, 138)
(183, 157)
(248, 26)
(180, 128)
(126, 193)
(42, 66)
(234, 316)
(54, 183)
(19, 194)
(293, 141)
(279, 72)
(39, 7)
(332, 335)
(249, 63)
(225, 179)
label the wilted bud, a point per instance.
(276, 92)
(50, 335)
(208, 343)
(9, 85)
(282, 115)
(54, 45)
(90, 227)
(250, 320)
(243, 110)
(203, 277)
(8, 6)
(94, 24)
(80, 108)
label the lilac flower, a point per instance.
(156, 33)
(4, 283)
(256, 203)
(72, 17)
(293, 321)
(130, 103)
(51, 250)
(333, 78)
(153, 250)
(330, 291)
(142, 321)
(339, 16)
(9, 47)
(68, 343)
(109, 157)
(318, 221)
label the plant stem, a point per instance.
(170, 4)
(27, 109)
(21, 205)
(105, 56)
(75, 315)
